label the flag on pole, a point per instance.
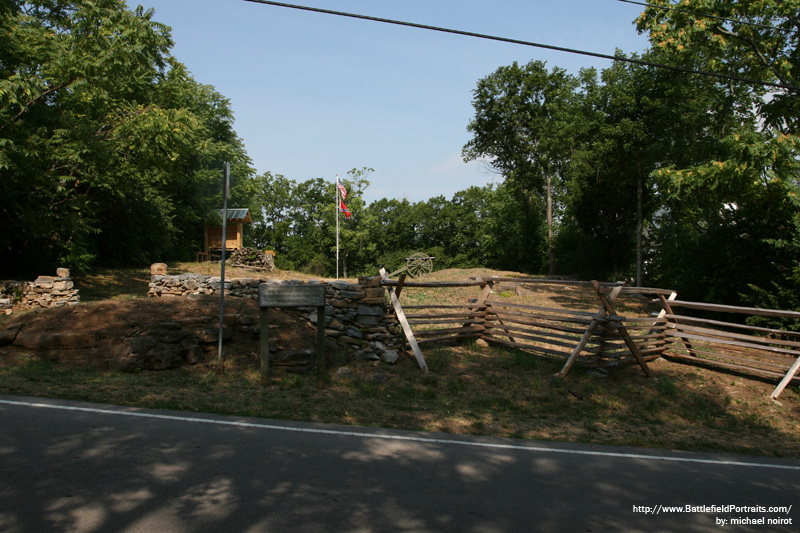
(341, 188)
(343, 209)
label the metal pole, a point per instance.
(336, 193)
(225, 191)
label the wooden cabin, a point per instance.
(234, 232)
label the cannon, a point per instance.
(418, 265)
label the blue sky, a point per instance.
(316, 95)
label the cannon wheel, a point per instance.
(419, 264)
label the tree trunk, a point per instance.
(639, 230)
(550, 243)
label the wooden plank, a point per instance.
(512, 319)
(446, 331)
(541, 281)
(645, 290)
(655, 337)
(484, 295)
(729, 335)
(667, 309)
(480, 302)
(450, 338)
(432, 284)
(685, 318)
(620, 345)
(538, 325)
(747, 353)
(678, 333)
(509, 315)
(648, 355)
(629, 360)
(447, 321)
(584, 321)
(499, 303)
(484, 299)
(463, 316)
(729, 366)
(633, 321)
(624, 332)
(399, 287)
(664, 308)
(786, 379)
(626, 289)
(401, 317)
(544, 281)
(465, 306)
(608, 329)
(582, 343)
(744, 361)
(736, 309)
(545, 334)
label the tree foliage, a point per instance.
(106, 142)
(111, 153)
(755, 39)
(523, 127)
(729, 230)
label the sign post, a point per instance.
(226, 187)
(292, 296)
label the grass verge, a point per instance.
(470, 390)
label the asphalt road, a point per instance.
(67, 466)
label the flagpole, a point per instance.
(336, 203)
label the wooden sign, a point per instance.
(291, 295)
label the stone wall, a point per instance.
(44, 292)
(356, 314)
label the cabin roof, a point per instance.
(235, 214)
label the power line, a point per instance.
(706, 15)
(528, 43)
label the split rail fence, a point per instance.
(605, 338)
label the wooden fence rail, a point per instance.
(763, 352)
(606, 338)
(428, 325)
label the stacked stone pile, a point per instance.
(44, 292)
(252, 257)
(356, 314)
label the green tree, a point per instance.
(311, 239)
(734, 211)
(356, 249)
(515, 234)
(271, 203)
(755, 39)
(106, 143)
(523, 116)
(392, 228)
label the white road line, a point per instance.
(380, 436)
